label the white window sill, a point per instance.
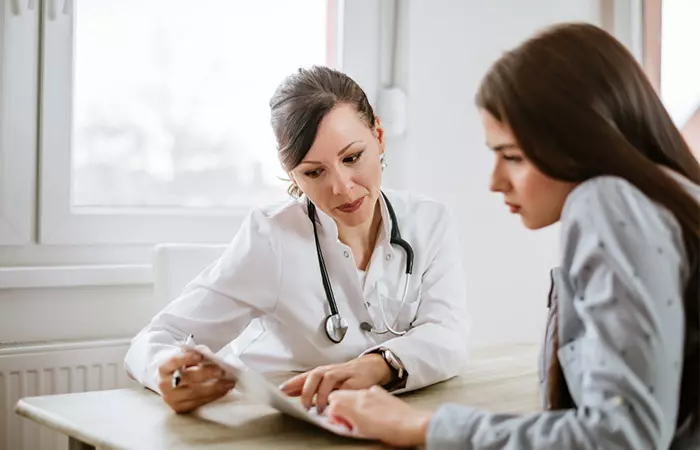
(75, 276)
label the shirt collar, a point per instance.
(330, 228)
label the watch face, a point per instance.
(391, 360)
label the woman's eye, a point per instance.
(513, 158)
(313, 173)
(352, 158)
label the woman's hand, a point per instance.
(376, 414)
(360, 373)
(199, 384)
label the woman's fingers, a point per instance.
(374, 413)
(342, 407)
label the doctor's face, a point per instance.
(341, 173)
(538, 198)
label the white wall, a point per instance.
(451, 44)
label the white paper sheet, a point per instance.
(256, 388)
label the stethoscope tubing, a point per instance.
(395, 239)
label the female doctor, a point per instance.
(350, 285)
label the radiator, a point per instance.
(31, 369)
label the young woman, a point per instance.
(580, 137)
(350, 285)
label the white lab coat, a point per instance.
(263, 303)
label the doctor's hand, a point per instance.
(359, 373)
(200, 384)
(376, 414)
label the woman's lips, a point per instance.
(352, 207)
(513, 208)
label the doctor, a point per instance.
(352, 286)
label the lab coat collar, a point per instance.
(330, 228)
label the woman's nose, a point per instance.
(498, 182)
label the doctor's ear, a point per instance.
(379, 132)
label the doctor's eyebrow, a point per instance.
(505, 146)
(340, 152)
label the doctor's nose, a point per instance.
(342, 183)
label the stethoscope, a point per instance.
(336, 327)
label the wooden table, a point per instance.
(502, 379)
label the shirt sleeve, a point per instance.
(217, 305)
(624, 263)
(435, 347)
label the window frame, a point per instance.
(358, 37)
(652, 42)
(652, 54)
(18, 112)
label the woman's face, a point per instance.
(538, 198)
(341, 173)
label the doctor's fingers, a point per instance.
(294, 385)
(192, 397)
(182, 398)
(185, 359)
(322, 383)
(200, 374)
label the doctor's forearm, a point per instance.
(144, 357)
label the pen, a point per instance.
(177, 376)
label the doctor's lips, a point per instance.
(352, 207)
(513, 208)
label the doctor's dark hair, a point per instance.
(299, 104)
(580, 106)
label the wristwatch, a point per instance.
(399, 375)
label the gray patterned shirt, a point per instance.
(619, 293)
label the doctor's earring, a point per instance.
(382, 161)
(294, 190)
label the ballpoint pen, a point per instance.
(177, 376)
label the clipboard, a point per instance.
(256, 388)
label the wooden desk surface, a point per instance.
(501, 379)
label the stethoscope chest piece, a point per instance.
(336, 327)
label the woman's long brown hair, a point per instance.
(580, 106)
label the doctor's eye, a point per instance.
(314, 173)
(352, 158)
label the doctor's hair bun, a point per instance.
(302, 100)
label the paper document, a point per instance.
(256, 388)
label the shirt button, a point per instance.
(346, 254)
(388, 257)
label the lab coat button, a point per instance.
(346, 254)
(388, 257)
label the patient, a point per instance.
(580, 137)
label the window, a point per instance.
(670, 49)
(155, 122)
